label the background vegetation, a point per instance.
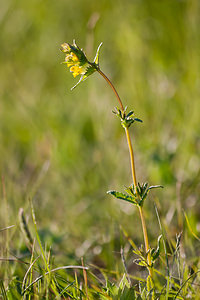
(65, 149)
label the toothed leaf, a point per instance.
(140, 262)
(122, 196)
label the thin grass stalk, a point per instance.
(146, 240)
(165, 250)
(85, 279)
(6, 233)
(53, 285)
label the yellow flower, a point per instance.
(69, 64)
(76, 70)
(68, 60)
(71, 59)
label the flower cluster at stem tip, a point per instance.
(77, 61)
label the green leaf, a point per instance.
(124, 282)
(130, 114)
(130, 191)
(126, 123)
(138, 120)
(122, 196)
(137, 252)
(126, 120)
(111, 289)
(140, 262)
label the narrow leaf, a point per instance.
(138, 120)
(96, 59)
(124, 282)
(156, 253)
(155, 187)
(130, 113)
(90, 70)
(190, 228)
(80, 80)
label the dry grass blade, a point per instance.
(12, 259)
(8, 227)
(85, 279)
(25, 276)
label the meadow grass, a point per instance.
(63, 150)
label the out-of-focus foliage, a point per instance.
(65, 149)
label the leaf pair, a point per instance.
(136, 195)
(126, 119)
(142, 260)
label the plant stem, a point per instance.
(144, 227)
(112, 87)
(146, 240)
(132, 158)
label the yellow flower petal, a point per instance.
(74, 57)
(69, 64)
(75, 71)
(75, 74)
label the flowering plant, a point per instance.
(136, 194)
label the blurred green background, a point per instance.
(65, 149)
